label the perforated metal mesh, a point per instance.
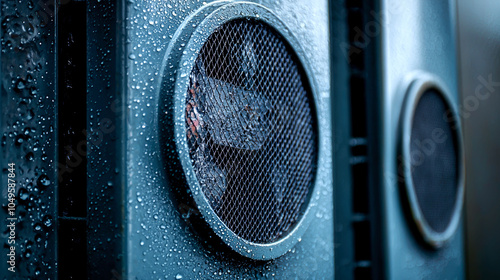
(250, 130)
(433, 150)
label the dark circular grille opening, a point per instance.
(434, 160)
(251, 131)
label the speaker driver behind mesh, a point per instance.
(250, 130)
(432, 159)
(245, 138)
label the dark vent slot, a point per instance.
(362, 273)
(359, 146)
(72, 247)
(72, 110)
(358, 106)
(361, 216)
(357, 58)
(360, 188)
(362, 251)
(72, 118)
(354, 4)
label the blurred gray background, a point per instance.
(479, 80)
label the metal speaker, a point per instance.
(432, 159)
(245, 130)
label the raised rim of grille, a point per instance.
(247, 88)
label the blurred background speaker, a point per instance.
(400, 216)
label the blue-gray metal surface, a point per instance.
(159, 242)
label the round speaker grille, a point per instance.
(250, 128)
(434, 160)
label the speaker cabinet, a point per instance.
(426, 204)
(400, 216)
(229, 141)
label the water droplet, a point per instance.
(29, 156)
(23, 194)
(47, 221)
(43, 181)
(20, 85)
(19, 140)
(38, 227)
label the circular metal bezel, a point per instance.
(418, 85)
(178, 64)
